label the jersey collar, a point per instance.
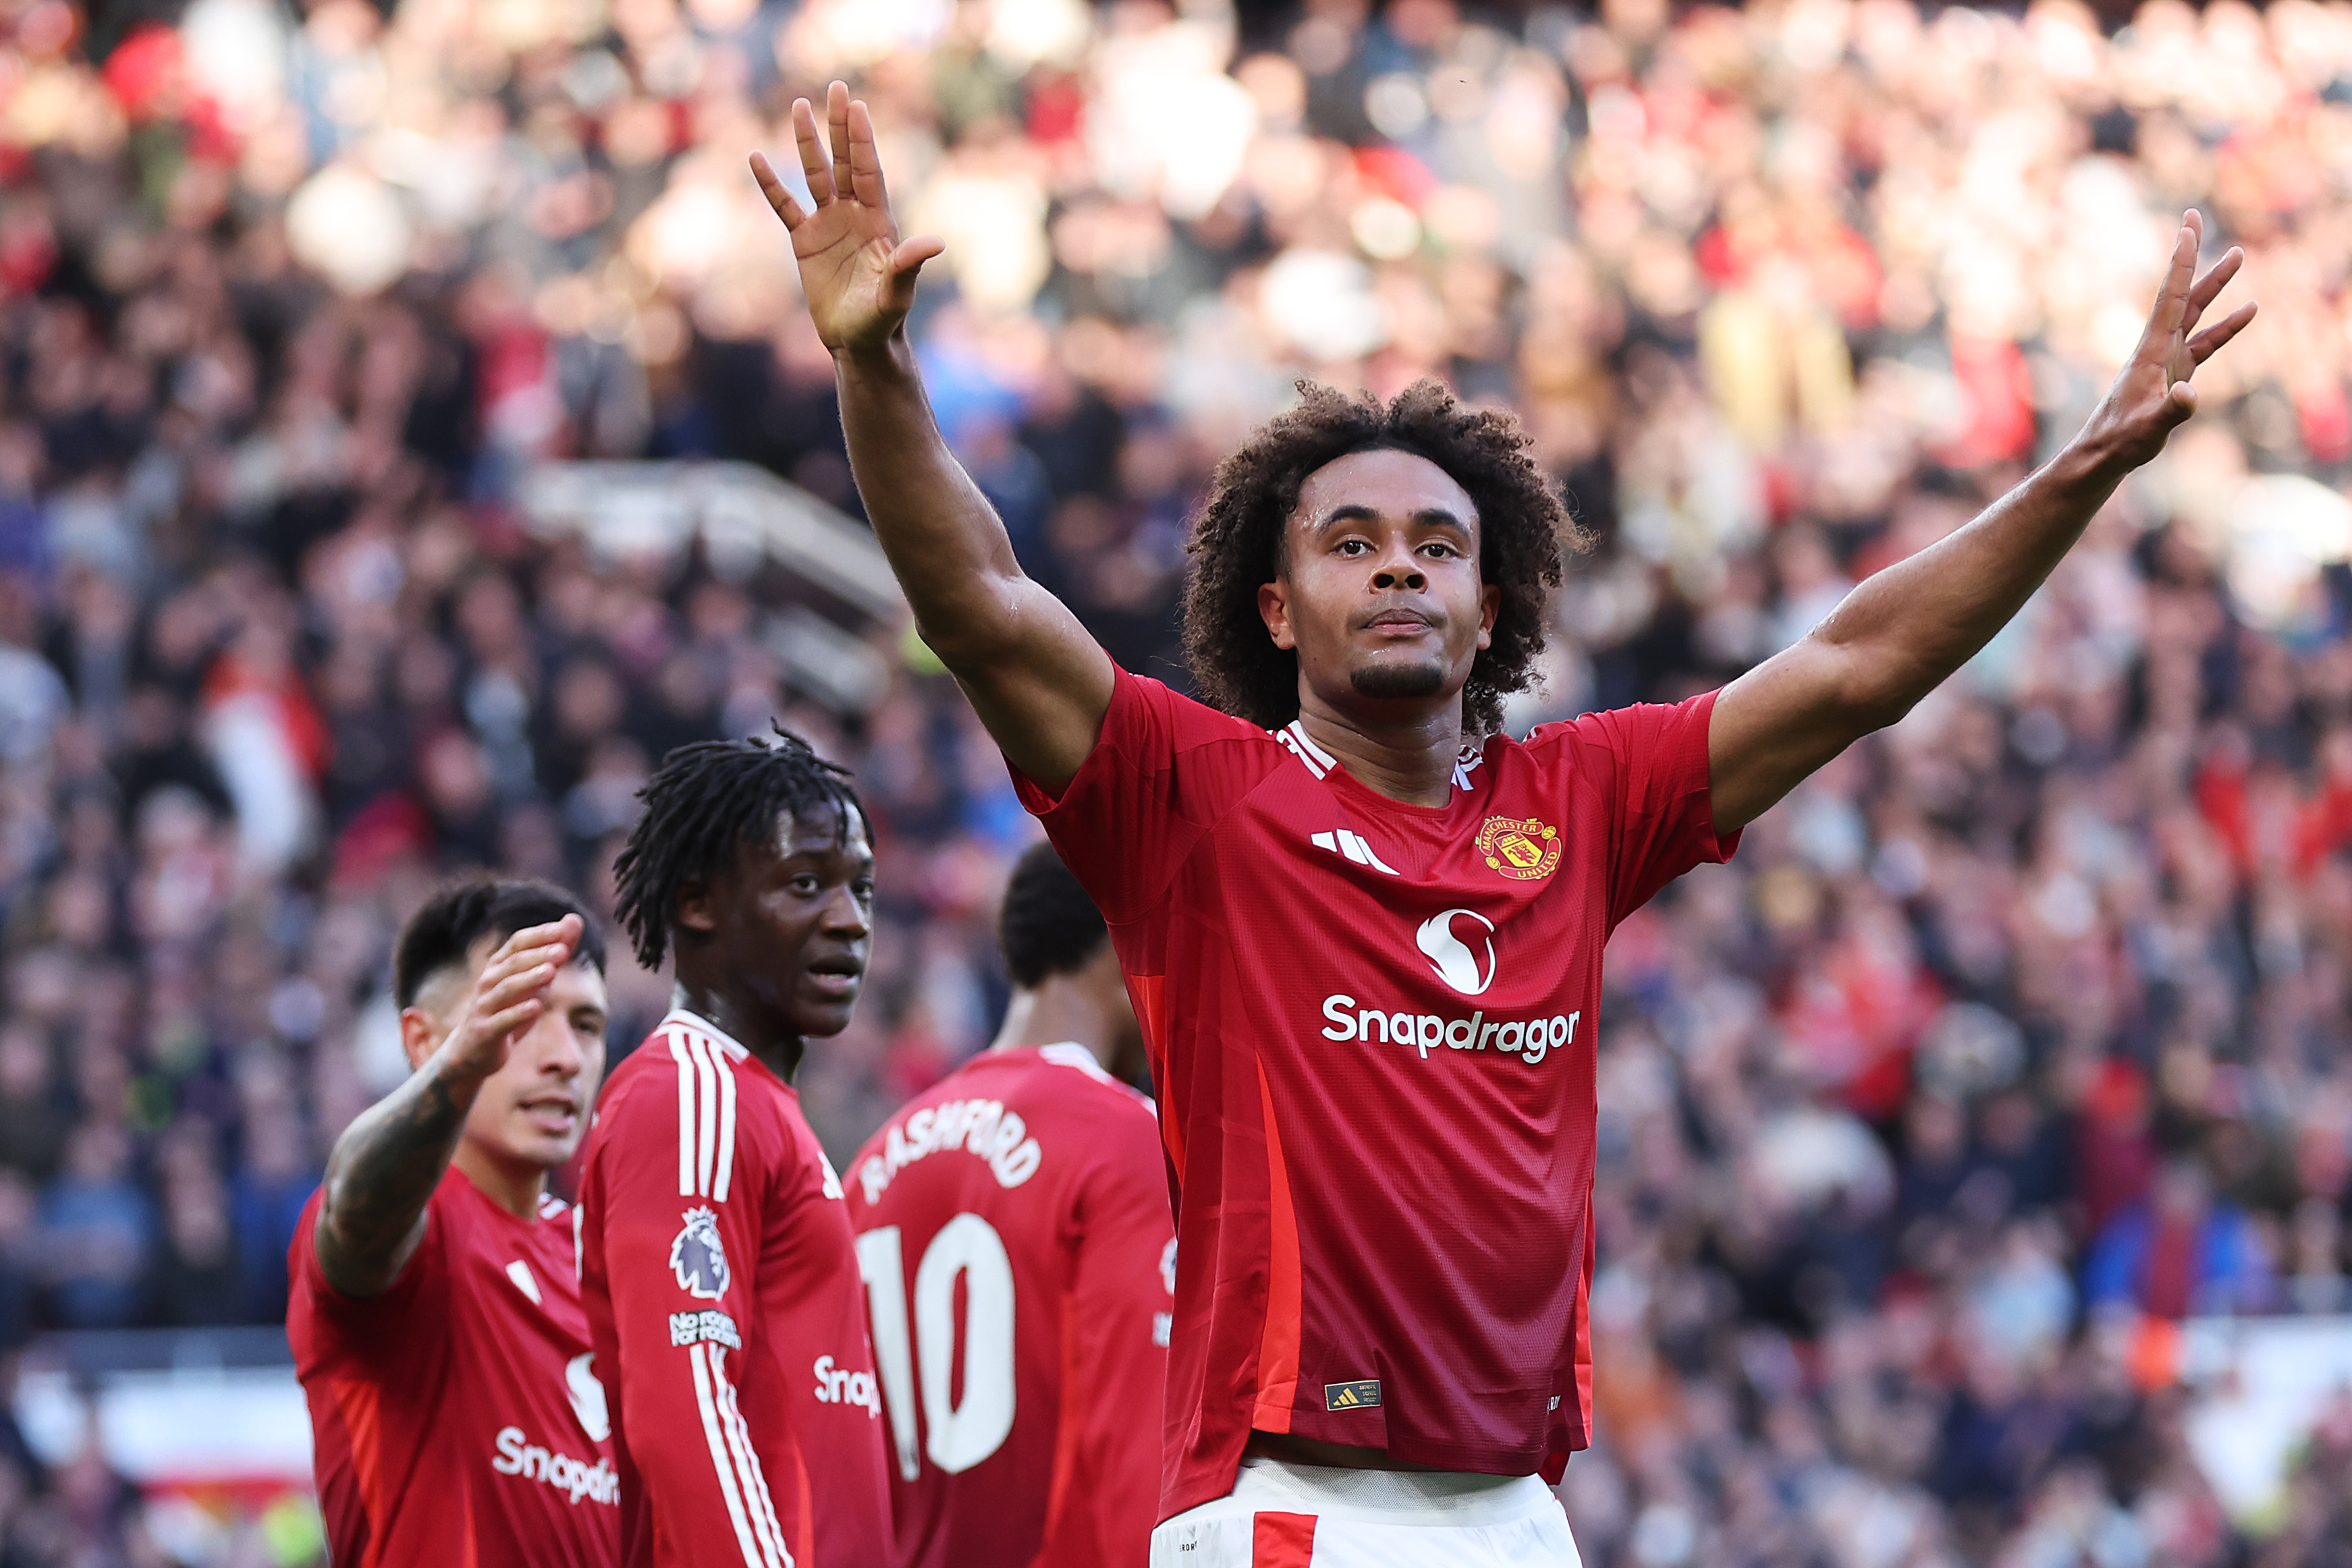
(1070, 1053)
(688, 1018)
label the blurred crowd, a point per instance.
(2011, 1039)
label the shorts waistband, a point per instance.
(1402, 1497)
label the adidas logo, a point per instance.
(1361, 1395)
(1343, 843)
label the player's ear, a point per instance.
(420, 1035)
(696, 910)
(1490, 605)
(1274, 609)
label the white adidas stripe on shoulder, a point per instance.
(706, 1105)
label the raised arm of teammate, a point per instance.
(1039, 683)
(1904, 629)
(384, 1167)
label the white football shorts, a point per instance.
(1283, 1515)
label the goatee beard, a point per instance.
(1387, 682)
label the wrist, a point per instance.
(2094, 461)
(889, 356)
(458, 1070)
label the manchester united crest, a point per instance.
(1522, 848)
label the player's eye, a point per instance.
(1438, 548)
(864, 888)
(1354, 546)
(805, 886)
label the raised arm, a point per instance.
(1039, 683)
(1899, 633)
(385, 1166)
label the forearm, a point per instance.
(1038, 681)
(1908, 627)
(1895, 637)
(945, 542)
(382, 1176)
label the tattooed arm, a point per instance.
(387, 1163)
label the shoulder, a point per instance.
(1150, 714)
(1071, 1070)
(1634, 728)
(687, 1095)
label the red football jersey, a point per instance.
(456, 1419)
(1372, 1027)
(721, 1285)
(1013, 1223)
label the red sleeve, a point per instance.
(329, 1330)
(1161, 772)
(681, 1244)
(1663, 820)
(1121, 1307)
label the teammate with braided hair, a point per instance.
(717, 1262)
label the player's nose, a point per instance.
(1398, 569)
(844, 916)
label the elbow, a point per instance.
(1870, 712)
(1874, 686)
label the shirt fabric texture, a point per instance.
(722, 1295)
(457, 1417)
(1371, 1028)
(1013, 1222)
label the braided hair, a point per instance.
(701, 804)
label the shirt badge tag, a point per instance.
(1524, 849)
(1361, 1395)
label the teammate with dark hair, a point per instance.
(1366, 944)
(717, 1260)
(1014, 1224)
(435, 1315)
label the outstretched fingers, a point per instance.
(836, 125)
(2202, 346)
(2211, 285)
(779, 195)
(814, 167)
(2172, 303)
(863, 158)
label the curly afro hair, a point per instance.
(1238, 540)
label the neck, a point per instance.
(779, 1048)
(513, 1187)
(1407, 756)
(1054, 1012)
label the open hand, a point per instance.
(2154, 394)
(508, 996)
(858, 274)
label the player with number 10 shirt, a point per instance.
(1012, 1223)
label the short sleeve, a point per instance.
(330, 1330)
(1664, 816)
(1161, 772)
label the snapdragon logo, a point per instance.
(1450, 957)
(1529, 1039)
(839, 1385)
(575, 1479)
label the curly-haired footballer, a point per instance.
(716, 1259)
(1363, 930)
